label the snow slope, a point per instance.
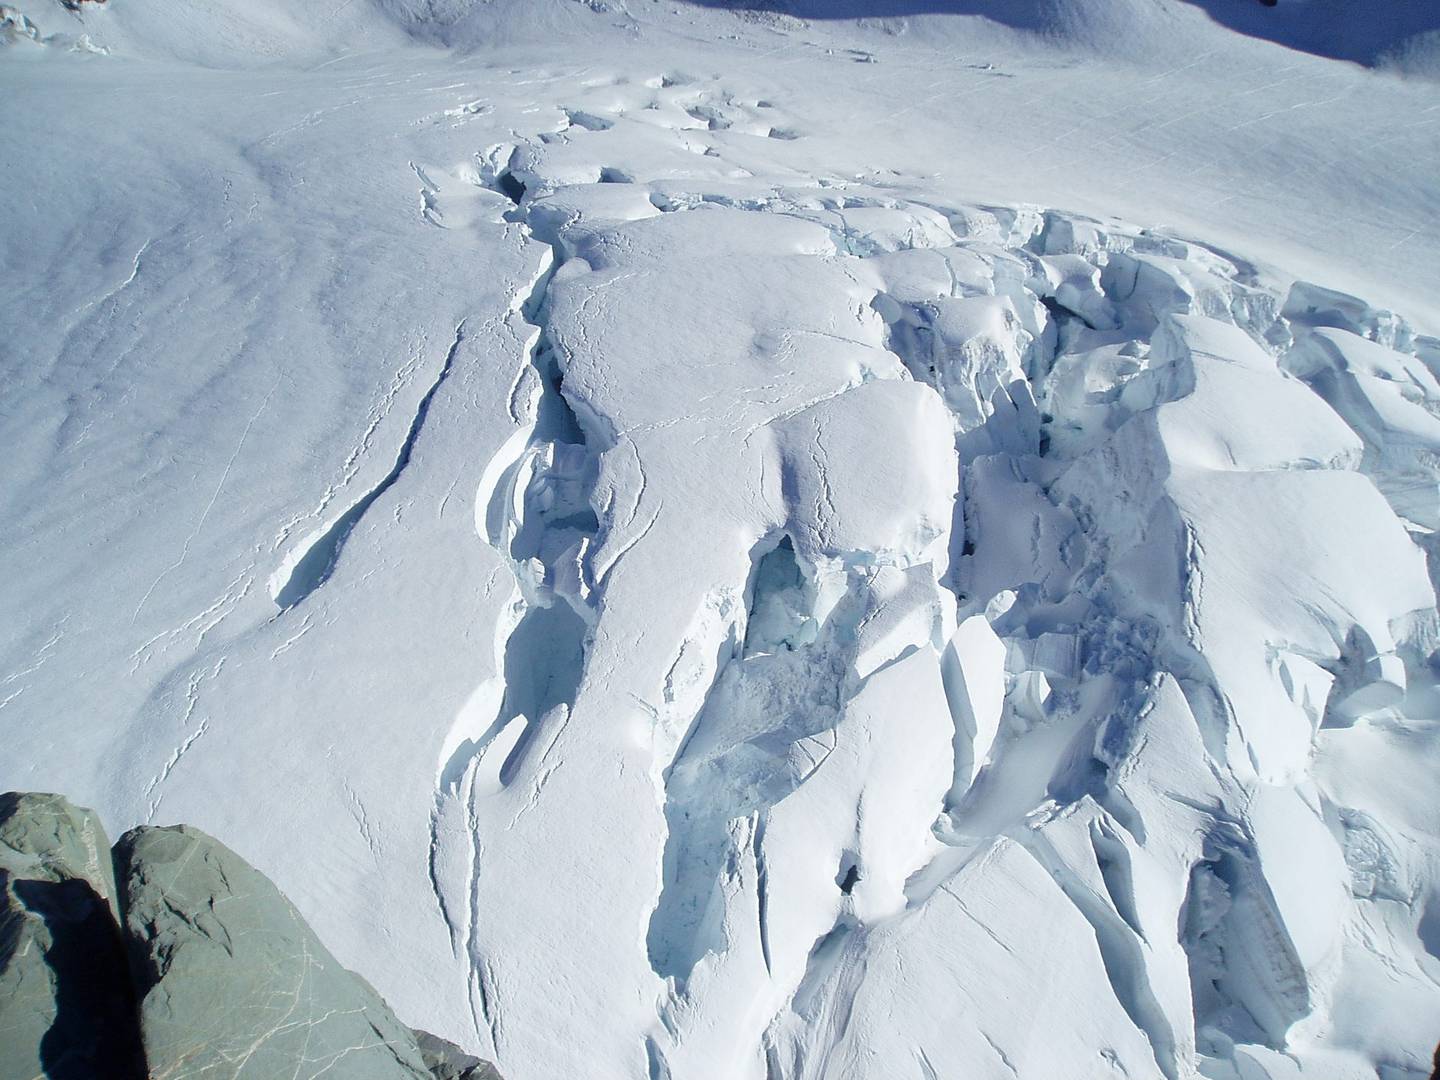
(710, 543)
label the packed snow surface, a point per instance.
(716, 541)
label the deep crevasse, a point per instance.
(1040, 686)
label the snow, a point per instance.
(696, 542)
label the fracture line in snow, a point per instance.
(209, 506)
(531, 642)
(311, 566)
(129, 280)
(192, 702)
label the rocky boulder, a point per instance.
(170, 956)
(66, 1003)
(446, 1061)
(229, 976)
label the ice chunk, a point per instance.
(974, 669)
(1001, 917)
(1074, 284)
(872, 471)
(1314, 305)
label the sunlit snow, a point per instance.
(715, 541)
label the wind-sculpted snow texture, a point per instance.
(666, 602)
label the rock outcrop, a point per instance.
(229, 973)
(173, 957)
(66, 1002)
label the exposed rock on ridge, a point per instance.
(66, 1002)
(223, 973)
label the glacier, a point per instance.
(752, 540)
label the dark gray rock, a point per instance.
(222, 976)
(67, 1008)
(230, 977)
(446, 1061)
